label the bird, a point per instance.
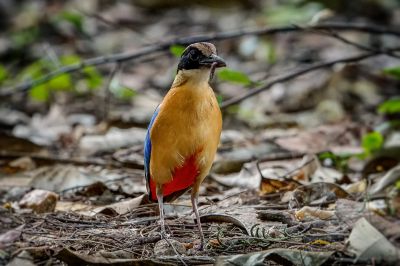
(184, 132)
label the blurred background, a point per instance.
(80, 79)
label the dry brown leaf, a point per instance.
(214, 242)
(68, 206)
(40, 201)
(320, 191)
(117, 208)
(309, 213)
(18, 165)
(268, 186)
(357, 187)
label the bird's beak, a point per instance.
(213, 60)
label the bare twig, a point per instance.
(107, 92)
(295, 74)
(280, 156)
(331, 33)
(68, 160)
(163, 46)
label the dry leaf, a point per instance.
(68, 206)
(320, 191)
(24, 258)
(117, 208)
(268, 186)
(309, 213)
(389, 178)
(357, 187)
(74, 258)
(367, 244)
(9, 237)
(295, 256)
(40, 201)
(248, 177)
(19, 165)
(114, 139)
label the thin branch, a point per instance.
(66, 160)
(117, 58)
(295, 74)
(107, 92)
(335, 35)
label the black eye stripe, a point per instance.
(190, 59)
(194, 55)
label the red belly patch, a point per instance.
(183, 177)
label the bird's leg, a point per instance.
(159, 193)
(194, 198)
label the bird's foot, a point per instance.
(163, 232)
(164, 235)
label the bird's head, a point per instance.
(199, 61)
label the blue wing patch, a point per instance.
(147, 150)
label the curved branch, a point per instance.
(295, 74)
(117, 58)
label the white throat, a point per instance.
(192, 76)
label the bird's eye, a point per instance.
(193, 56)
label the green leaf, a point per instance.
(220, 98)
(62, 82)
(39, 93)
(126, 93)
(3, 73)
(177, 50)
(391, 106)
(339, 161)
(233, 109)
(74, 18)
(392, 71)
(24, 37)
(372, 142)
(233, 76)
(119, 91)
(32, 71)
(93, 78)
(70, 59)
(271, 53)
(398, 184)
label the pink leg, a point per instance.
(196, 212)
(159, 193)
